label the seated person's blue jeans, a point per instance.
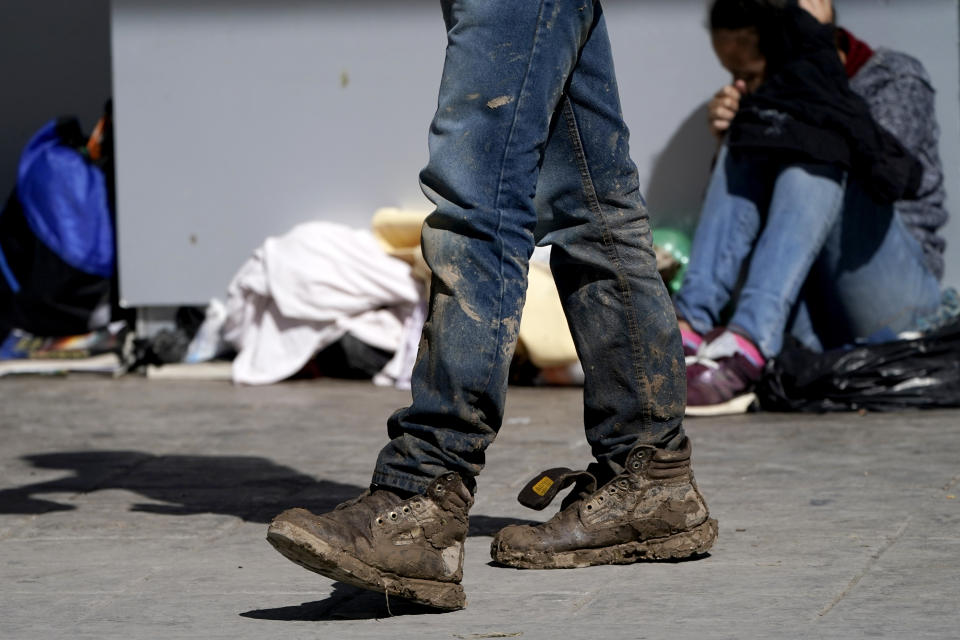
(528, 105)
(802, 250)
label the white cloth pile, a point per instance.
(304, 290)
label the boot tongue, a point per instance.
(381, 498)
(373, 499)
(545, 486)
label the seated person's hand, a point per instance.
(822, 10)
(723, 107)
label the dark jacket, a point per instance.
(805, 111)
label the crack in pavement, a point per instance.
(866, 569)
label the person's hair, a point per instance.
(742, 14)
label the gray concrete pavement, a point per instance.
(137, 509)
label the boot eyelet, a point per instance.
(600, 498)
(406, 509)
(624, 484)
(612, 490)
(636, 464)
(379, 520)
(393, 515)
(589, 507)
(417, 504)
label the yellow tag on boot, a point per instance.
(542, 486)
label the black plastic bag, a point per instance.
(922, 373)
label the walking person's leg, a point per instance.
(639, 499)
(506, 67)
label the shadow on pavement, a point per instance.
(345, 603)
(248, 487)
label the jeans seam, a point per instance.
(593, 203)
(500, 180)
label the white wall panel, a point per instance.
(237, 119)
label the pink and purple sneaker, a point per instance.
(722, 375)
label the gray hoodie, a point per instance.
(897, 89)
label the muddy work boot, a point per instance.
(651, 511)
(409, 548)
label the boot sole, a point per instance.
(697, 541)
(314, 554)
(732, 407)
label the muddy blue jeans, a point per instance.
(818, 259)
(528, 146)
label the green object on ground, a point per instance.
(676, 243)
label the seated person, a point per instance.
(821, 216)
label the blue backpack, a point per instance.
(57, 247)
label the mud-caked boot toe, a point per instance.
(409, 548)
(514, 536)
(651, 511)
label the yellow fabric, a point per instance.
(398, 230)
(543, 327)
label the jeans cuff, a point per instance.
(401, 481)
(701, 328)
